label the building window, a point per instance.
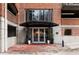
(68, 32)
(12, 8)
(69, 13)
(11, 31)
(70, 10)
(39, 15)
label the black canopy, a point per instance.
(38, 24)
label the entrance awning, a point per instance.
(38, 24)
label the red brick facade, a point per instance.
(70, 21)
(56, 14)
(2, 9)
(56, 17)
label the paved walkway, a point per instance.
(34, 48)
(42, 49)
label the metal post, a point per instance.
(44, 35)
(32, 35)
(62, 43)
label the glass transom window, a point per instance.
(39, 15)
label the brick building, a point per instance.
(42, 23)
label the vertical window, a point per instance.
(41, 15)
(35, 15)
(68, 32)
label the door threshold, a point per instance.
(39, 43)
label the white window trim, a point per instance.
(11, 13)
(11, 23)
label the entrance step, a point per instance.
(39, 44)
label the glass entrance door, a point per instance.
(41, 35)
(38, 35)
(35, 35)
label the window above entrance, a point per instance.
(39, 15)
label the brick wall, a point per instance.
(70, 21)
(2, 9)
(11, 17)
(56, 17)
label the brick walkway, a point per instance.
(43, 49)
(34, 48)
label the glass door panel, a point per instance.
(41, 35)
(35, 35)
(46, 35)
(38, 35)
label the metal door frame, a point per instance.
(38, 28)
